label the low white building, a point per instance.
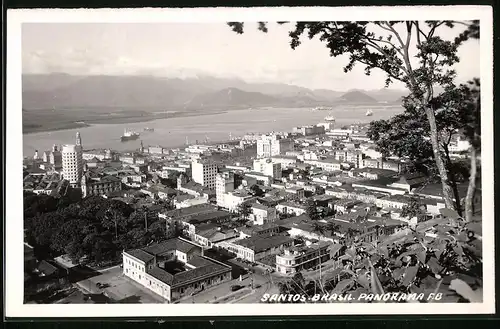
(190, 201)
(232, 200)
(262, 215)
(267, 167)
(150, 268)
(327, 164)
(291, 208)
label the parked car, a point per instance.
(235, 287)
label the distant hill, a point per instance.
(143, 92)
(231, 97)
(328, 95)
(387, 95)
(357, 97)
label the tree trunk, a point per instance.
(438, 157)
(453, 183)
(471, 189)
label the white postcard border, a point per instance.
(13, 225)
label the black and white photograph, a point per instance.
(276, 161)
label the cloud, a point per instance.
(188, 50)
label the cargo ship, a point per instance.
(322, 108)
(149, 129)
(369, 113)
(129, 136)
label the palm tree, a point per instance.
(318, 228)
(244, 210)
(311, 210)
(352, 233)
(145, 210)
(113, 213)
(332, 228)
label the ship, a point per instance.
(321, 108)
(149, 129)
(329, 119)
(369, 113)
(129, 136)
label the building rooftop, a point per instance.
(260, 206)
(293, 205)
(183, 197)
(141, 255)
(263, 243)
(207, 267)
(203, 208)
(377, 171)
(171, 244)
(199, 262)
(436, 190)
(203, 267)
(382, 182)
(46, 268)
(412, 179)
(207, 216)
(256, 229)
(161, 275)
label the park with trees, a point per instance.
(94, 228)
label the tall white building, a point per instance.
(54, 157)
(224, 184)
(204, 173)
(267, 167)
(271, 145)
(72, 161)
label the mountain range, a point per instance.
(68, 91)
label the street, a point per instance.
(118, 287)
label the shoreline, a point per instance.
(118, 121)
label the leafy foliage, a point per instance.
(244, 210)
(419, 263)
(257, 191)
(415, 208)
(312, 210)
(94, 227)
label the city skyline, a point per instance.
(172, 50)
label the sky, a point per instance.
(190, 49)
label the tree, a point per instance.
(465, 104)
(294, 286)
(455, 116)
(351, 233)
(414, 208)
(318, 228)
(145, 211)
(257, 191)
(312, 210)
(244, 210)
(332, 228)
(388, 46)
